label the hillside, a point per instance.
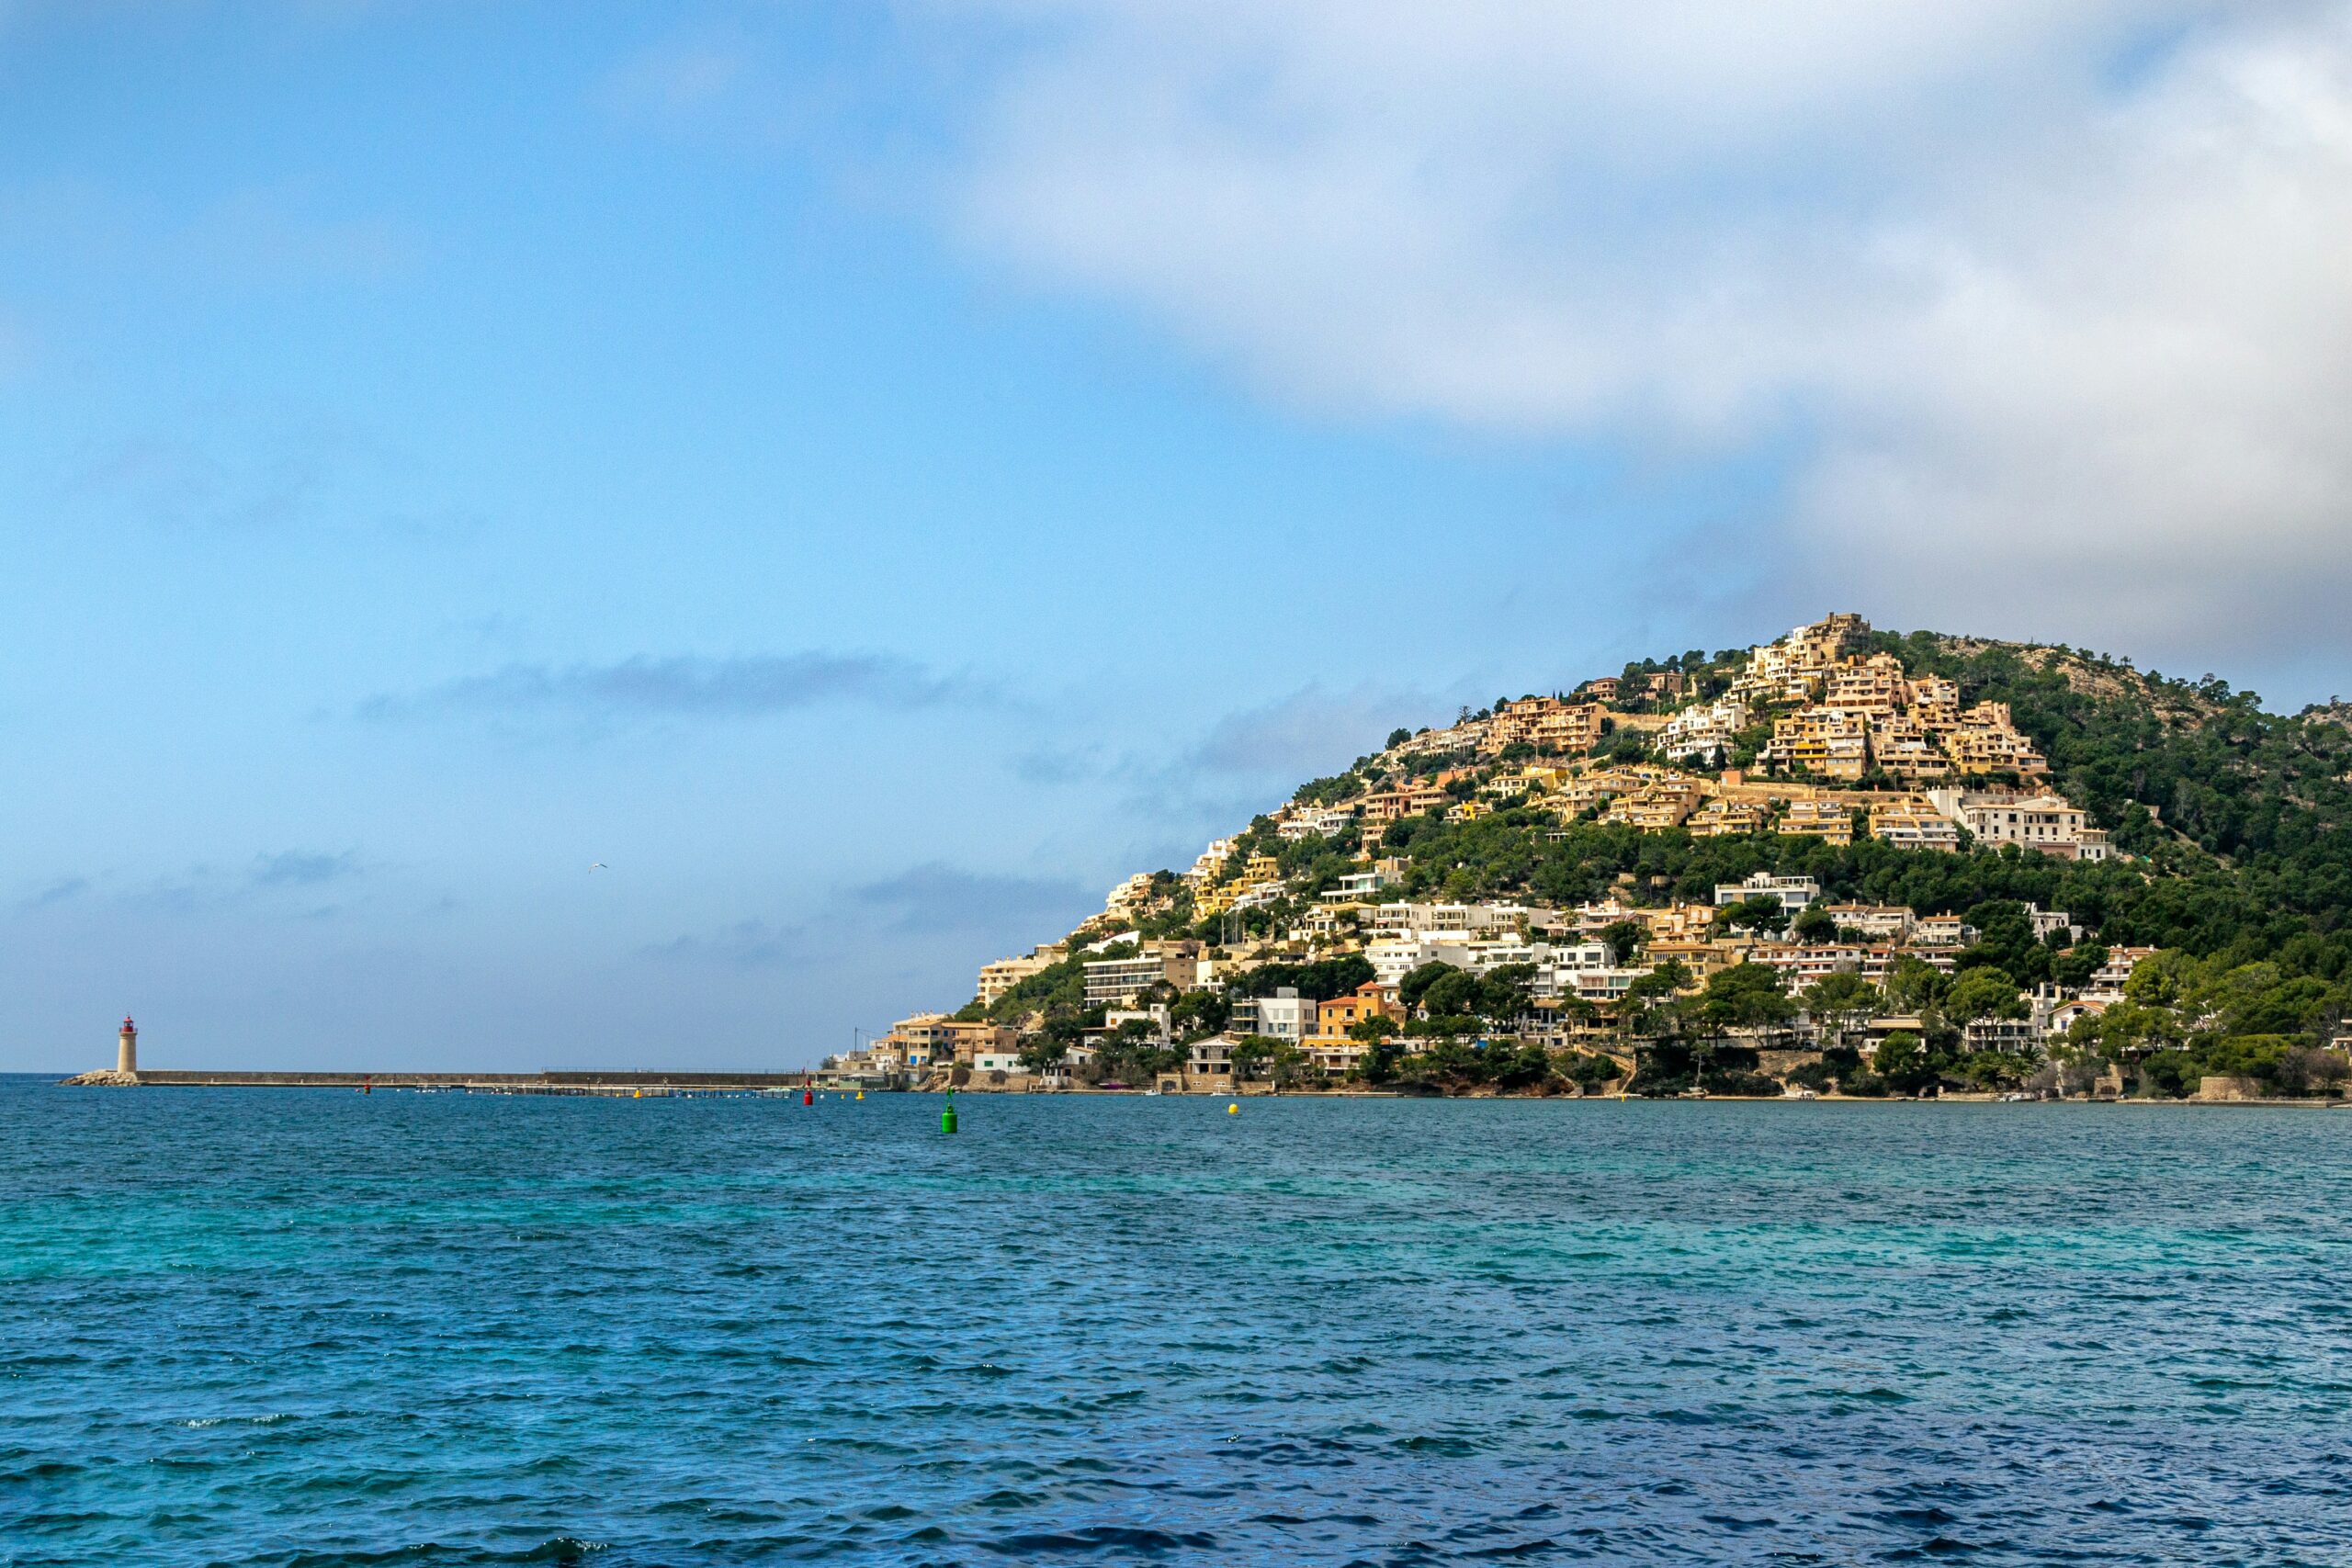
(1847, 860)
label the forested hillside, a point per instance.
(2190, 917)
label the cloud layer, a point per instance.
(935, 896)
(2050, 298)
(727, 688)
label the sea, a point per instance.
(313, 1329)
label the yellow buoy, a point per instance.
(1233, 1111)
(861, 1094)
(637, 1094)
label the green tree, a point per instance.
(1815, 926)
(1839, 1002)
(1624, 939)
(1503, 992)
(2006, 941)
(1913, 984)
(1197, 1014)
(1746, 995)
(1758, 913)
(1901, 1060)
(1253, 1054)
(1454, 994)
(1983, 993)
(2074, 968)
(1413, 986)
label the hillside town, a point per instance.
(1308, 951)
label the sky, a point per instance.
(871, 477)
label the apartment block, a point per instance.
(1654, 809)
(1387, 806)
(1912, 823)
(1880, 922)
(1795, 893)
(1698, 734)
(1830, 819)
(2047, 823)
(1727, 818)
(1830, 743)
(1006, 973)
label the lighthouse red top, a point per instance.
(129, 1027)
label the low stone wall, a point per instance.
(548, 1082)
(2228, 1088)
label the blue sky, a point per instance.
(874, 476)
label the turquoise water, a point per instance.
(309, 1328)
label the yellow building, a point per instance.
(1873, 685)
(1654, 809)
(1904, 746)
(1987, 740)
(1389, 805)
(1547, 724)
(1830, 819)
(1726, 818)
(1830, 743)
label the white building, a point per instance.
(1882, 923)
(1211, 863)
(2109, 981)
(1364, 884)
(1154, 1018)
(1604, 986)
(1560, 970)
(1285, 1015)
(1307, 821)
(2050, 824)
(2046, 921)
(1110, 981)
(2018, 1034)
(1459, 919)
(1943, 931)
(1795, 893)
(1696, 734)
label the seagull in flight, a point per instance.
(600, 865)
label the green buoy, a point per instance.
(947, 1117)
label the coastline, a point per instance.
(670, 1085)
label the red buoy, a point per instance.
(807, 1096)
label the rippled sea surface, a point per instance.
(313, 1327)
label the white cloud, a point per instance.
(2052, 284)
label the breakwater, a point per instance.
(496, 1083)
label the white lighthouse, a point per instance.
(126, 1051)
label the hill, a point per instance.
(1848, 860)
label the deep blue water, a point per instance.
(309, 1328)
